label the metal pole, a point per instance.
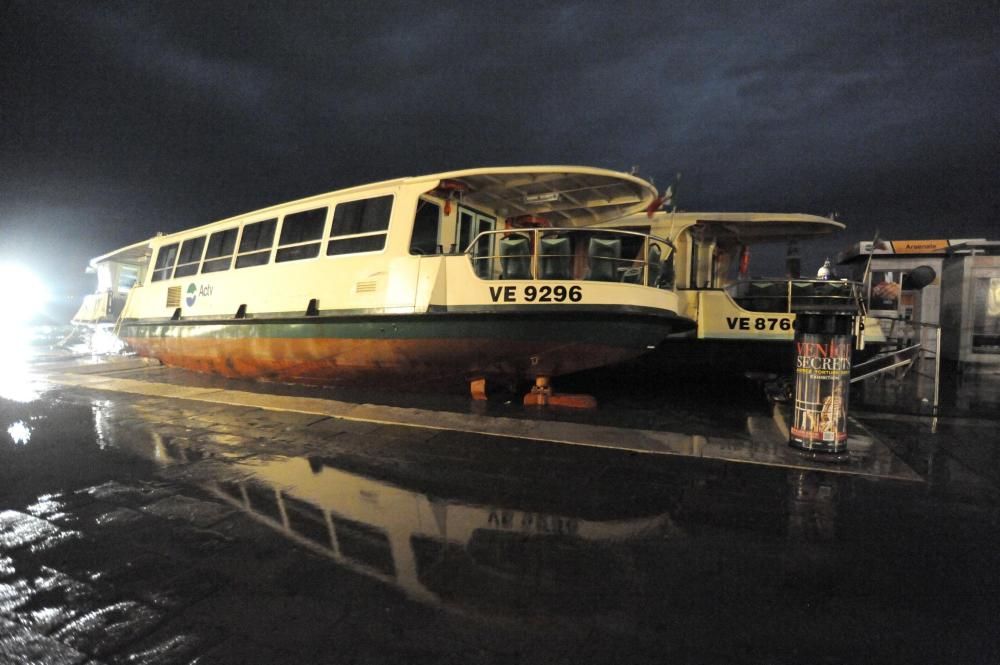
(937, 377)
(645, 262)
(535, 248)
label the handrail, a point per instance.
(640, 267)
(911, 322)
(795, 294)
(568, 229)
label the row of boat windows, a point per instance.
(358, 226)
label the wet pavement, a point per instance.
(138, 525)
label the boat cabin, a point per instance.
(509, 226)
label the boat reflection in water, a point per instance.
(459, 553)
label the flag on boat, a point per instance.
(662, 201)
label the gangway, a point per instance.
(902, 356)
(885, 362)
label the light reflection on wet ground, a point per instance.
(152, 530)
(761, 439)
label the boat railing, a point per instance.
(605, 255)
(797, 295)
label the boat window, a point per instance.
(425, 228)
(360, 226)
(219, 253)
(189, 257)
(301, 233)
(165, 262)
(470, 225)
(255, 243)
(364, 544)
(127, 278)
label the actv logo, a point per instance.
(193, 291)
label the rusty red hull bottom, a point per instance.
(323, 361)
(451, 347)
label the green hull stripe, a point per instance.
(622, 330)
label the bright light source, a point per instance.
(22, 293)
(20, 433)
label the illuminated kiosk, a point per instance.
(902, 286)
(474, 275)
(970, 307)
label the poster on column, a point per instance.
(822, 386)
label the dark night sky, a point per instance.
(119, 119)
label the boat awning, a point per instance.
(753, 227)
(564, 195)
(131, 254)
(729, 228)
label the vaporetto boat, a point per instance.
(491, 273)
(745, 321)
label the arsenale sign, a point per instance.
(822, 385)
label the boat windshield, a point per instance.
(795, 295)
(573, 254)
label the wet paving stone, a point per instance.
(129, 494)
(23, 530)
(55, 600)
(107, 629)
(117, 517)
(305, 620)
(51, 507)
(165, 647)
(152, 578)
(240, 650)
(13, 595)
(19, 529)
(195, 511)
(20, 645)
(334, 426)
(86, 559)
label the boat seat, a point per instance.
(515, 257)
(763, 296)
(667, 273)
(603, 255)
(556, 259)
(654, 266)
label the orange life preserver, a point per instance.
(448, 189)
(448, 186)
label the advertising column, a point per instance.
(822, 382)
